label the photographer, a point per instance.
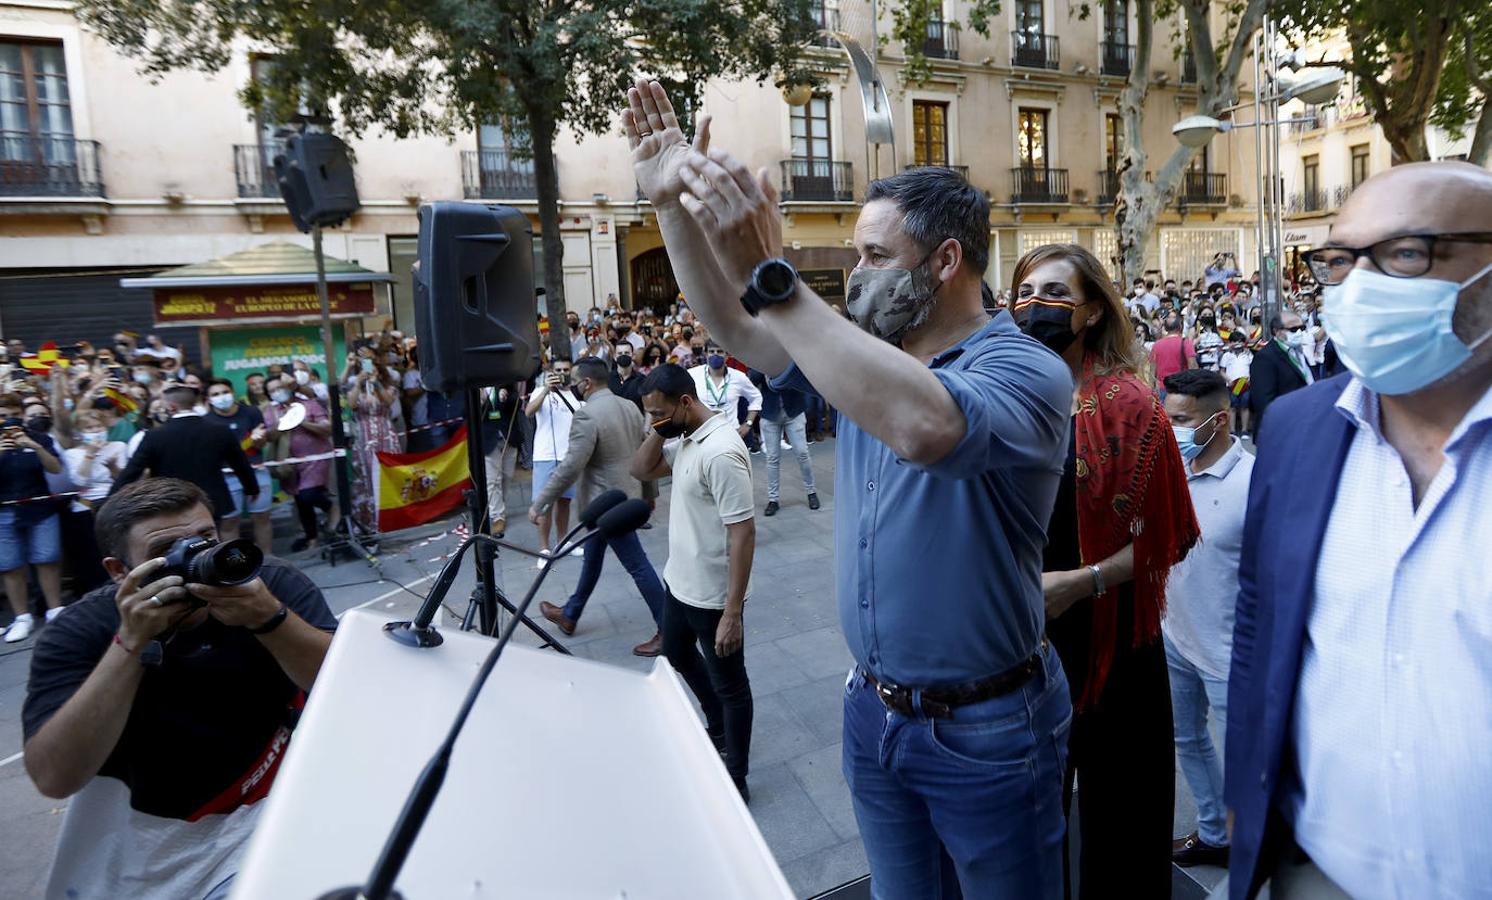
(163, 707)
(29, 531)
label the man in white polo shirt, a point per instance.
(711, 539)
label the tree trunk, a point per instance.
(1406, 138)
(542, 130)
(1481, 141)
(1135, 211)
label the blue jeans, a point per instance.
(1191, 693)
(969, 806)
(772, 435)
(628, 549)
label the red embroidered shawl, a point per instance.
(1131, 486)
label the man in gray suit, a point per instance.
(604, 434)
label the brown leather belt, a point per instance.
(939, 703)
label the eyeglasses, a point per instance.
(1407, 256)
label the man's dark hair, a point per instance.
(1207, 386)
(217, 381)
(1137, 282)
(1173, 324)
(137, 501)
(1276, 324)
(671, 380)
(592, 368)
(103, 404)
(937, 203)
(181, 394)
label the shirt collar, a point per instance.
(706, 428)
(1000, 323)
(1359, 404)
(1224, 464)
(189, 414)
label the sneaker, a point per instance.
(813, 501)
(19, 630)
(53, 613)
(771, 509)
(579, 552)
(539, 563)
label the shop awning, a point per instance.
(278, 262)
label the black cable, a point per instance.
(14, 652)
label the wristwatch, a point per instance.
(773, 281)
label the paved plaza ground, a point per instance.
(794, 651)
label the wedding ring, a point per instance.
(156, 600)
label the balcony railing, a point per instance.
(1203, 189)
(1321, 200)
(1033, 50)
(1188, 67)
(254, 170)
(827, 18)
(1117, 59)
(48, 166)
(496, 175)
(962, 170)
(1033, 185)
(819, 180)
(941, 41)
(1108, 187)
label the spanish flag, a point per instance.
(414, 488)
(44, 359)
(124, 401)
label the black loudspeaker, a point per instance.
(316, 180)
(474, 307)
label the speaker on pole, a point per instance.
(475, 309)
(316, 180)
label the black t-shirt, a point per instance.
(203, 716)
(22, 476)
(242, 423)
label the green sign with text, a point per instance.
(240, 352)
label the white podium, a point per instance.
(572, 779)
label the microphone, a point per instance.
(419, 633)
(620, 519)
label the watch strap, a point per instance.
(275, 621)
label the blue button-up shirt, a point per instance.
(939, 567)
(1393, 720)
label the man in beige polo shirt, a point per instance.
(711, 538)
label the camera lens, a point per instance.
(232, 563)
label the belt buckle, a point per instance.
(897, 699)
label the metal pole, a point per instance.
(1276, 223)
(1261, 178)
(334, 396)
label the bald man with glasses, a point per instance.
(1360, 699)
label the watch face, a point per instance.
(776, 278)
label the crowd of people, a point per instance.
(1058, 562)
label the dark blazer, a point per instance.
(1290, 500)
(192, 449)
(1271, 375)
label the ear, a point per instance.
(946, 259)
(117, 568)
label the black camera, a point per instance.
(205, 561)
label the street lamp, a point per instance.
(1313, 86)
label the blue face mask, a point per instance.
(1186, 441)
(1395, 334)
(715, 361)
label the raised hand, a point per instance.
(736, 211)
(658, 144)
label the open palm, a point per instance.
(659, 147)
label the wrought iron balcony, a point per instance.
(1033, 50)
(48, 166)
(941, 41)
(1117, 59)
(1108, 187)
(962, 170)
(827, 17)
(1188, 67)
(1203, 189)
(819, 180)
(254, 170)
(497, 175)
(1033, 185)
(1321, 200)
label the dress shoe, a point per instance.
(1193, 851)
(745, 791)
(771, 509)
(813, 501)
(653, 646)
(557, 615)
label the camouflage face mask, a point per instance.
(890, 302)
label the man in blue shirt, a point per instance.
(952, 442)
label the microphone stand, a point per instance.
(417, 807)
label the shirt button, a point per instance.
(865, 604)
(870, 486)
(1263, 779)
(864, 543)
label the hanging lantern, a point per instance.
(797, 94)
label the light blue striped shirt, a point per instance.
(1392, 728)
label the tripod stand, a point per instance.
(486, 596)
